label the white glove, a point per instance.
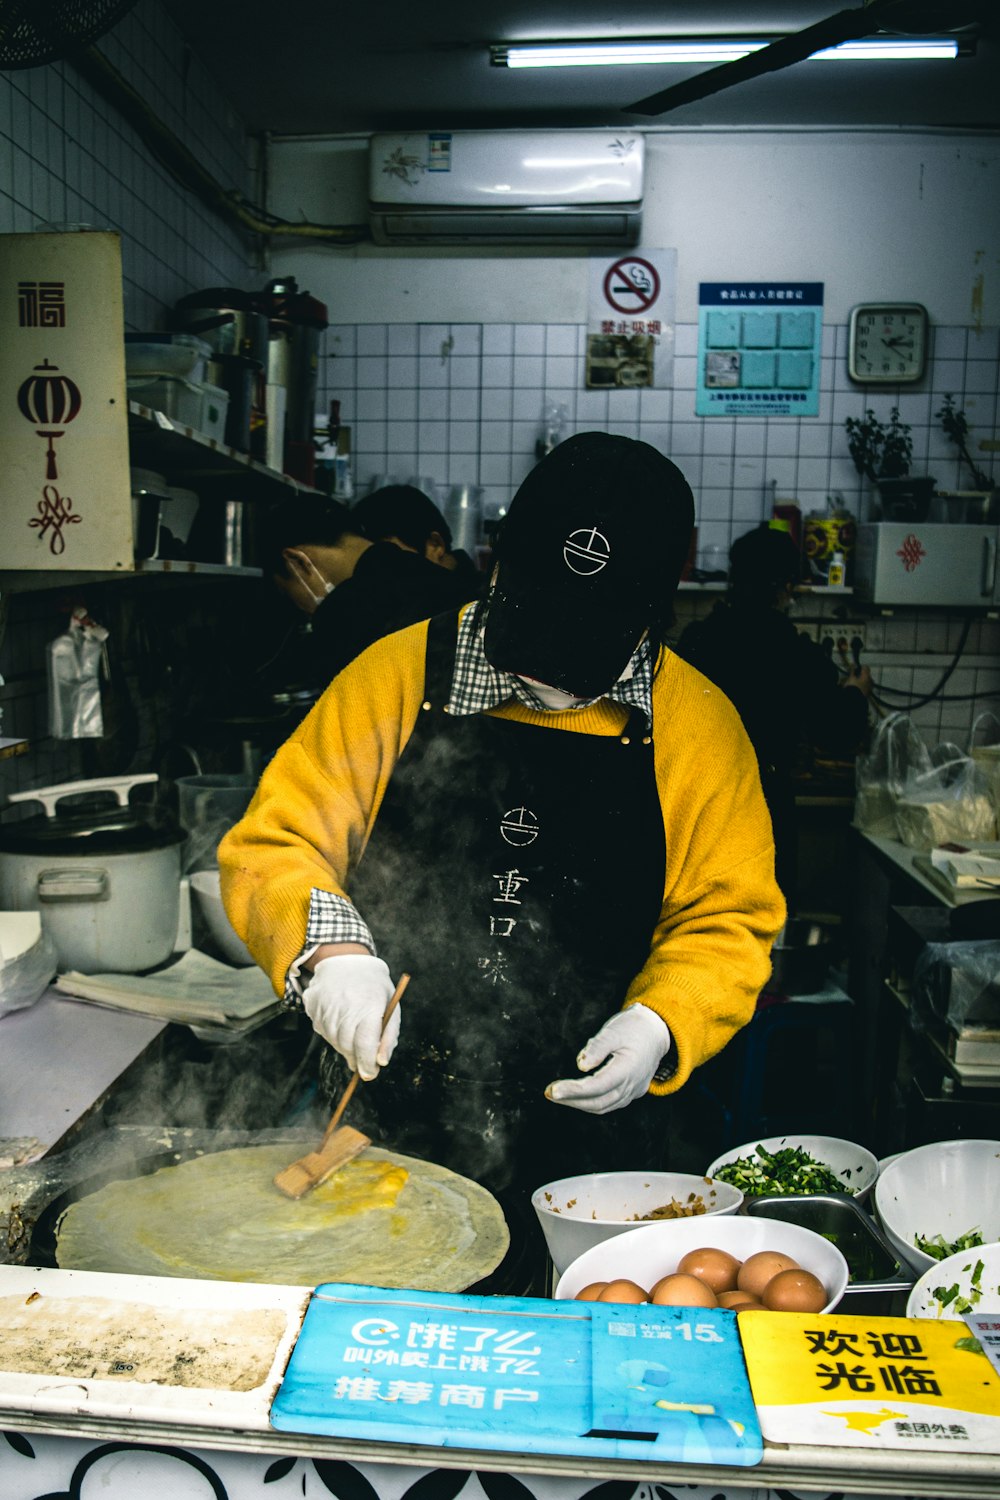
(631, 1045)
(345, 1001)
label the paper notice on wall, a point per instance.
(631, 321)
(759, 346)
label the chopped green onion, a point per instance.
(789, 1170)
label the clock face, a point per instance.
(887, 343)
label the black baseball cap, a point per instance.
(588, 557)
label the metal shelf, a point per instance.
(157, 442)
(27, 581)
(182, 566)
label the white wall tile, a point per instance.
(431, 337)
(498, 338)
(529, 338)
(529, 370)
(401, 338)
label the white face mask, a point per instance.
(553, 698)
(328, 587)
(318, 598)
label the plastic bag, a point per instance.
(950, 803)
(987, 756)
(896, 753)
(26, 975)
(957, 984)
(74, 662)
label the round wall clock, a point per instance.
(887, 343)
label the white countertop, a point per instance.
(902, 856)
(58, 1058)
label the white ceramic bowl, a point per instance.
(578, 1212)
(205, 884)
(958, 1270)
(946, 1188)
(855, 1167)
(644, 1255)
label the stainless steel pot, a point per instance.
(106, 881)
(801, 957)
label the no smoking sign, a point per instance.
(631, 286)
(630, 320)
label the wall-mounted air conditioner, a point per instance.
(511, 187)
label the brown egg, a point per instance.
(592, 1292)
(622, 1290)
(716, 1268)
(736, 1300)
(679, 1290)
(757, 1270)
(795, 1291)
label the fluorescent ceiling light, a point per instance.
(619, 54)
(903, 48)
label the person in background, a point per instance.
(548, 819)
(354, 590)
(402, 514)
(788, 693)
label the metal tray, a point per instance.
(873, 1264)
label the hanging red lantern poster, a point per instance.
(65, 501)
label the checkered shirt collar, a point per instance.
(476, 686)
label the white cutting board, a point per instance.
(152, 1348)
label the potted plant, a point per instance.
(982, 503)
(882, 452)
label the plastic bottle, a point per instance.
(835, 572)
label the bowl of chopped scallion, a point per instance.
(968, 1281)
(939, 1199)
(798, 1164)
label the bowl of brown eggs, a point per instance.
(733, 1262)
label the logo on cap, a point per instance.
(586, 551)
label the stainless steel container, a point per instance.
(234, 326)
(464, 514)
(878, 1282)
(149, 491)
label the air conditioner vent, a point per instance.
(515, 187)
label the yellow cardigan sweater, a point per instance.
(319, 797)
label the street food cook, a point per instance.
(547, 818)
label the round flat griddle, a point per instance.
(518, 1272)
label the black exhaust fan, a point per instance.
(36, 32)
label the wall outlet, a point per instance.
(841, 638)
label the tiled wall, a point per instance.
(463, 404)
(66, 156)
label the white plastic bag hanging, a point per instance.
(987, 756)
(27, 960)
(895, 754)
(74, 663)
(949, 803)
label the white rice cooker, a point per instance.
(105, 879)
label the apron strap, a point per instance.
(442, 638)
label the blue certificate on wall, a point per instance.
(759, 348)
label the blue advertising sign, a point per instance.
(521, 1374)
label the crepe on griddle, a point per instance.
(381, 1220)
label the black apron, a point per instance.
(517, 873)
